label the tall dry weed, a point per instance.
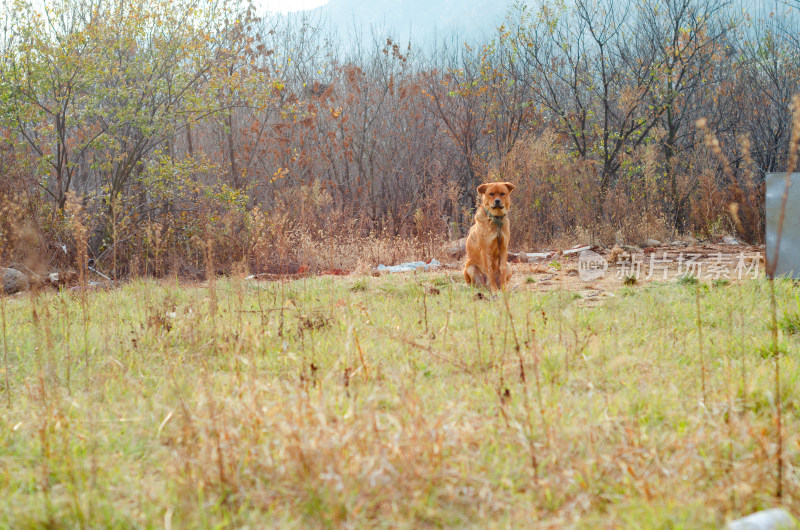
(80, 233)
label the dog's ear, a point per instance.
(482, 189)
(509, 186)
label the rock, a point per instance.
(14, 281)
(631, 249)
(652, 243)
(456, 249)
(775, 519)
(679, 244)
(730, 240)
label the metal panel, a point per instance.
(789, 255)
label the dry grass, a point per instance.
(316, 403)
(560, 200)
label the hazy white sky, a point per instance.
(284, 6)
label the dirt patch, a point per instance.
(723, 263)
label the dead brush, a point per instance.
(334, 469)
(348, 251)
(560, 190)
(257, 227)
(155, 242)
(746, 206)
(566, 204)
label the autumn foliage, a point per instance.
(287, 145)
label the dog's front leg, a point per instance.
(503, 270)
(491, 275)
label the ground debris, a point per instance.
(528, 257)
(577, 249)
(409, 266)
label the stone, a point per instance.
(456, 249)
(774, 519)
(652, 243)
(14, 281)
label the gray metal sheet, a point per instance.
(789, 255)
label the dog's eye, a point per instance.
(502, 194)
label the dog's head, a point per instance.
(496, 196)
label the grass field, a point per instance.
(399, 401)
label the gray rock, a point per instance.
(679, 244)
(774, 519)
(729, 240)
(456, 249)
(652, 243)
(14, 281)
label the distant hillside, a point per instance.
(421, 19)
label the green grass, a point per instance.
(399, 401)
(790, 321)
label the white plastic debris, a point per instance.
(409, 266)
(774, 519)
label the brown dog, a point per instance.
(487, 242)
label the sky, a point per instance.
(284, 6)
